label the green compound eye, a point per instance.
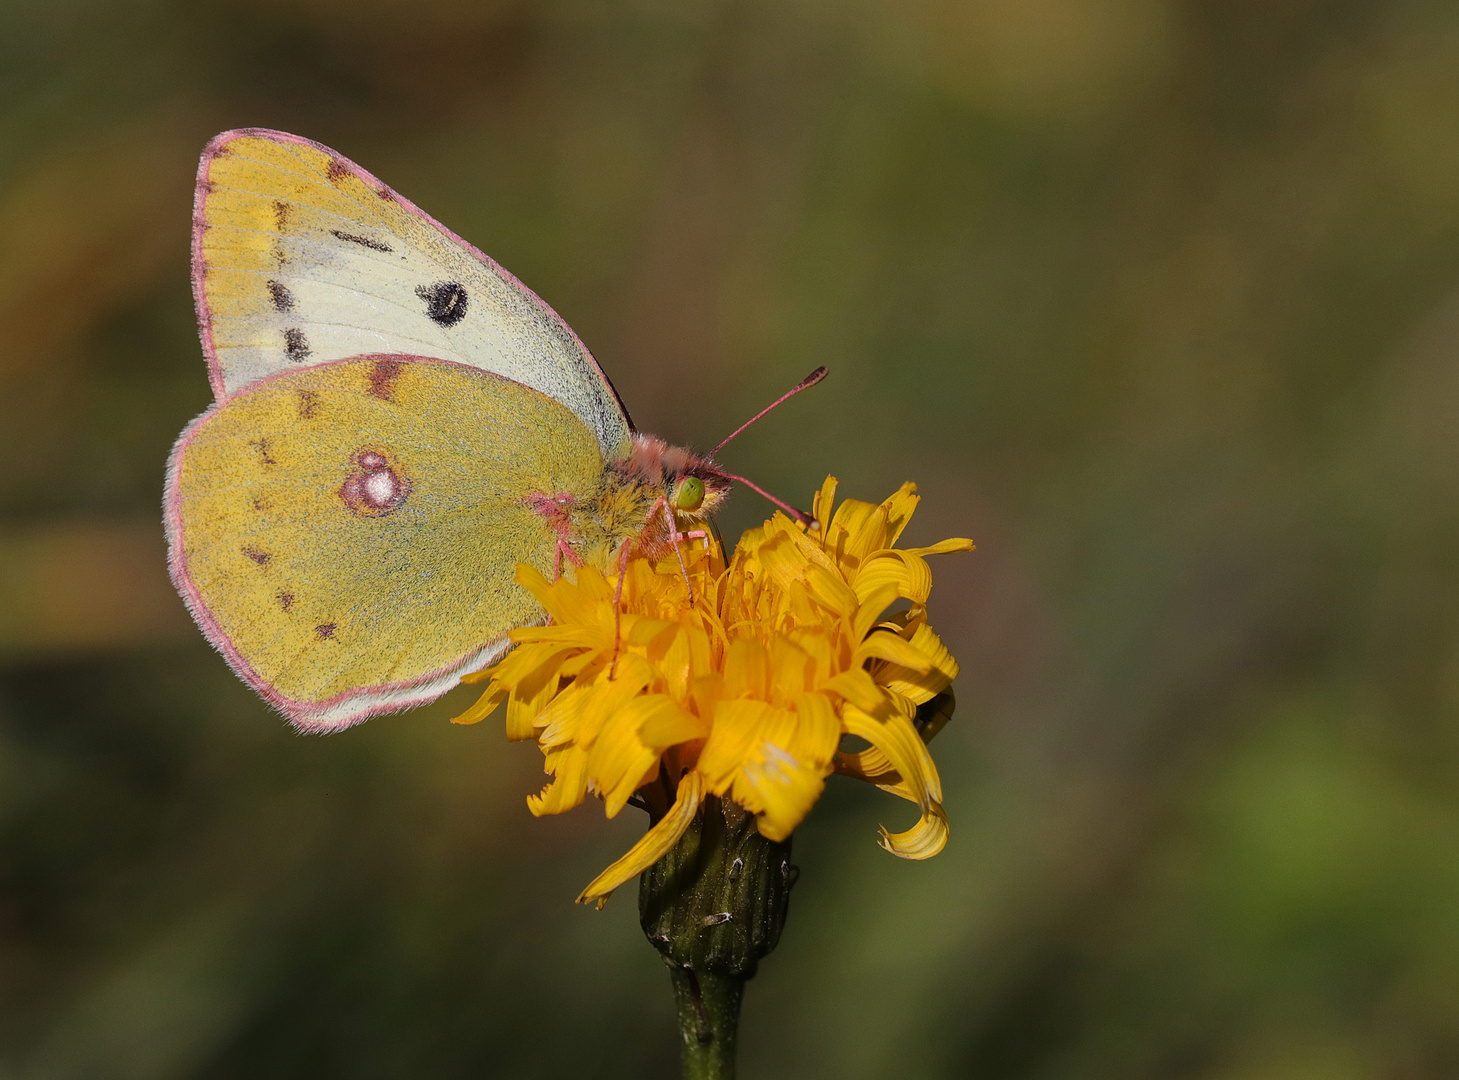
(689, 495)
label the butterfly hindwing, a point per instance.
(300, 257)
(346, 533)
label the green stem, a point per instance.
(709, 1021)
(714, 907)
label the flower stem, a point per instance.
(713, 907)
(709, 1019)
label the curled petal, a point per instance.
(870, 610)
(807, 549)
(653, 846)
(895, 736)
(923, 840)
(921, 683)
(908, 574)
(885, 645)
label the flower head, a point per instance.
(737, 680)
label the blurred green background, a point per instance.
(1157, 301)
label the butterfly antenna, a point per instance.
(799, 515)
(805, 384)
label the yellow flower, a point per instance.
(745, 693)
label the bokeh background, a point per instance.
(1157, 300)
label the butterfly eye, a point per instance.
(689, 495)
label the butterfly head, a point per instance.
(693, 486)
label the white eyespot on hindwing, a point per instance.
(374, 486)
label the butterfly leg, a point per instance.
(556, 511)
(676, 537)
(618, 606)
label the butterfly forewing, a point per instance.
(300, 257)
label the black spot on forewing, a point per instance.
(263, 454)
(445, 302)
(336, 171)
(296, 345)
(308, 404)
(326, 630)
(286, 599)
(258, 555)
(282, 298)
(363, 241)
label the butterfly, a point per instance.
(398, 422)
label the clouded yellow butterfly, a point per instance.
(398, 423)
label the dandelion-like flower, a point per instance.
(737, 680)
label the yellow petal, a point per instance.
(817, 732)
(908, 574)
(484, 707)
(849, 521)
(739, 726)
(746, 669)
(779, 789)
(569, 786)
(783, 762)
(887, 646)
(871, 534)
(831, 592)
(921, 841)
(894, 735)
(667, 724)
(529, 697)
(899, 507)
(619, 759)
(792, 671)
(943, 547)
(653, 846)
(561, 721)
(869, 611)
(926, 680)
(857, 688)
(821, 505)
